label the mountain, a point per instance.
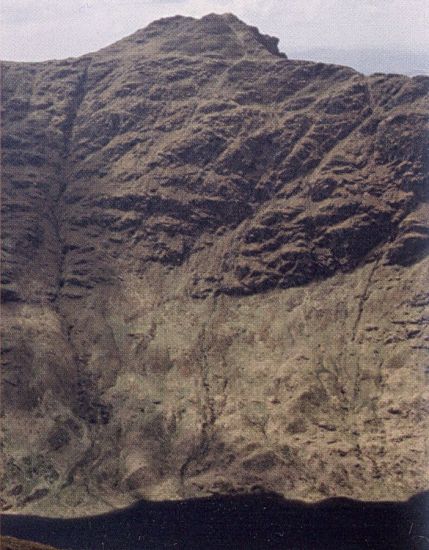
(214, 276)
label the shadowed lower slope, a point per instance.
(11, 543)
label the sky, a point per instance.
(36, 30)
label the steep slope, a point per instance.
(213, 276)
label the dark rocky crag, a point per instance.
(214, 276)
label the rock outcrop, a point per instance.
(214, 275)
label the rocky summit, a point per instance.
(214, 276)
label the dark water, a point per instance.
(239, 523)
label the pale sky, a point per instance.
(34, 30)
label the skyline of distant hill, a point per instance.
(367, 60)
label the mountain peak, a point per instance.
(214, 34)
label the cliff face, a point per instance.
(213, 276)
